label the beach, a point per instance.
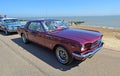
(111, 37)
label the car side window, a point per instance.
(36, 26)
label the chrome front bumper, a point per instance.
(12, 29)
(90, 53)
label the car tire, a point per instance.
(6, 32)
(63, 55)
(24, 39)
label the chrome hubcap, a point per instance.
(62, 55)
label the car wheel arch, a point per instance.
(70, 58)
(21, 34)
(59, 45)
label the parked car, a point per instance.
(68, 43)
(9, 25)
(1, 20)
(0, 23)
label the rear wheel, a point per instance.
(24, 39)
(63, 56)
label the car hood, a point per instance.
(80, 35)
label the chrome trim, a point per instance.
(90, 53)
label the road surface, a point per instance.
(19, 59)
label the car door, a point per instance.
(36, 33)
(40, 34)
(31, 31)
(50, 40)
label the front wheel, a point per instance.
(63, 56)
(6, 32)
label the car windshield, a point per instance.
(54, 25)
(11, 21)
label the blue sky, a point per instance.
(35, 8)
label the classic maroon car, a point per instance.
(68, 43)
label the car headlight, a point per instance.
(82, 48)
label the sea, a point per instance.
(112, 22)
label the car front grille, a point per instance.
(89, 46)
(95, 43)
